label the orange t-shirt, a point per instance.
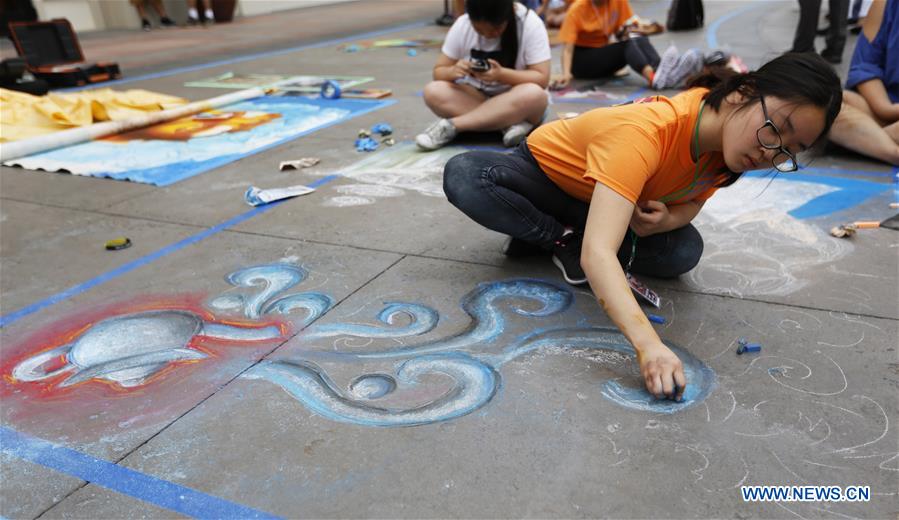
(589, 25)
(641, 150)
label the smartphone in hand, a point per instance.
(480, 65)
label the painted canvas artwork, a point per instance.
(302, 83)
(169, 152)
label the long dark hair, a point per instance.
(495, 12)
(801, 78)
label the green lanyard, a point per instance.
(699, 170)
(667, 198)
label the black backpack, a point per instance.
(684, 15)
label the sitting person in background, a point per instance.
(553, 12)
(491, 75)
(589, 52)
(869, 121)
(145, 24)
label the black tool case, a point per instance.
(52, 53)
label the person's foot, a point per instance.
(687, 66)
(193, 20)
(165, 21)
(717, 57)
(437, 135)
(209, 17)
(145, 24)
(513, 135)
(662, 78)
(832, 56)
(517, 248)
(567, 257)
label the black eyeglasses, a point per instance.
(769, 137)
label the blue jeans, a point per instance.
(509, 193)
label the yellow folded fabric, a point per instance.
(24, 115)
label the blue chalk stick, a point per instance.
(656, 318)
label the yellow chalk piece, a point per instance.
(118, 243)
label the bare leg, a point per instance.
(893, 131)
(141, 11)
(854, 130)
(450, 100)
(853, 98)
(525, 102)
(160, 9)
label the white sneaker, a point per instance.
(437, 135)
(666, 66)
(513, 135)
(688, 65)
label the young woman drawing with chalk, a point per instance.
(612, 192)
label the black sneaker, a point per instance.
(145, 24)
(517, 248)
(446, 20)
(567, 257)
(193, 21)
(165, 21)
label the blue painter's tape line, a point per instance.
(249, 57)
(139, 262)
(120, 479)
(712, 32)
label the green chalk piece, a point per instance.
(118, 243)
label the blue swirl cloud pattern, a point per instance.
(474, 385)
(468, 358)
(272, 280)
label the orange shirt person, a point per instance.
(590, 52)
(613, 191)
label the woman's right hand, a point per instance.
(460, 69)
(662, 371)
(560, 81)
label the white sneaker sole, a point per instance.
(427, 146)
(565, 275)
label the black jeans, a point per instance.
(509, 193)
(600, 62)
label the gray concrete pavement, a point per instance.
(366, 351)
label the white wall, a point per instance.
(254, 7)
(93, 15)
(85, 15)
